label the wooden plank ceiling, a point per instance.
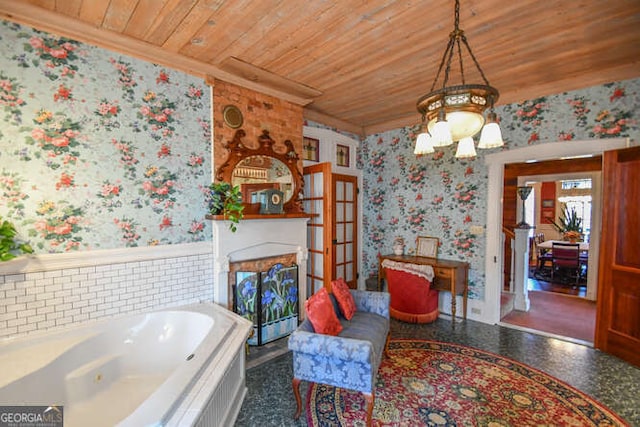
(360, 65)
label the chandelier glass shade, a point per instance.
(455, 112)
(491, 135)
(466, 148)
(424, 144)
(424, 141)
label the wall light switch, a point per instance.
(478, 230)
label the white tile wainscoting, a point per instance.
(55, 290)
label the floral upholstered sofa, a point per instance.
(351, 358)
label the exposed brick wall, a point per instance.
(281, 118)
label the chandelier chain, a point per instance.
(475, 61)
(455, 37)
(442, 61)
(456, 16)
(460, 57)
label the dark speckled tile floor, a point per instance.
(609, 380)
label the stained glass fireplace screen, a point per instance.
(275, 313)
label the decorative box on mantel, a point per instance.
(258, 237)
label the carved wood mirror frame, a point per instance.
(238, 152)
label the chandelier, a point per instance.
(455, 112)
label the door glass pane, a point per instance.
(317, 209)
(339, 190)
(348, 256)
(349, 232)
(306, 205)
(318, 285)
(339, 253)
(348, 275)
(340, 212)
(339, 232)
(348, 212)
(318, 264)
(318, 242)
(350, 191)
(317, 185)
(315, 240)
(339, 271)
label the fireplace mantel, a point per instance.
(263, 216)
(260, 237)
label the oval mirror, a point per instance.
(261, 172)
(262, 168)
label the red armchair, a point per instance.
(412, 298)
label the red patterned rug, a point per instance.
(440, 384)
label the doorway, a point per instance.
(494, 256)
(551, 194)
(560, 315)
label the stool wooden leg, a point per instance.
(296, 392)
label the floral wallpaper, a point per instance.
(437, 195)
(99, 150)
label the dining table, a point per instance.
(548, 244)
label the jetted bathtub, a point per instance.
(177, 367)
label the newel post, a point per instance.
(521, 268)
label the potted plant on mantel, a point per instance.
(10, 245)
(226, 200)
(570, 225)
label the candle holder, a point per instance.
(523, 192)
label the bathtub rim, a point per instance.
(190, 407)
(190, 399)
(77, 333)
(187, 401)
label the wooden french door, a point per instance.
(345, 228)
(618, 319)
(332, 232)
(315, 200)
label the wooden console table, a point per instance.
(450, 276)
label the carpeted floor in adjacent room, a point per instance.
(558, 314)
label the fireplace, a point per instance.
(265, 291)
(283, 239)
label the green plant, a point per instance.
(10, 246)
(568, 221)
(226, 200)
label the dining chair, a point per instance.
(543, 256)
(566, 257)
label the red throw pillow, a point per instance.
(319, 309)
(345, 300)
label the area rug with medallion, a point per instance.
(441, 384)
